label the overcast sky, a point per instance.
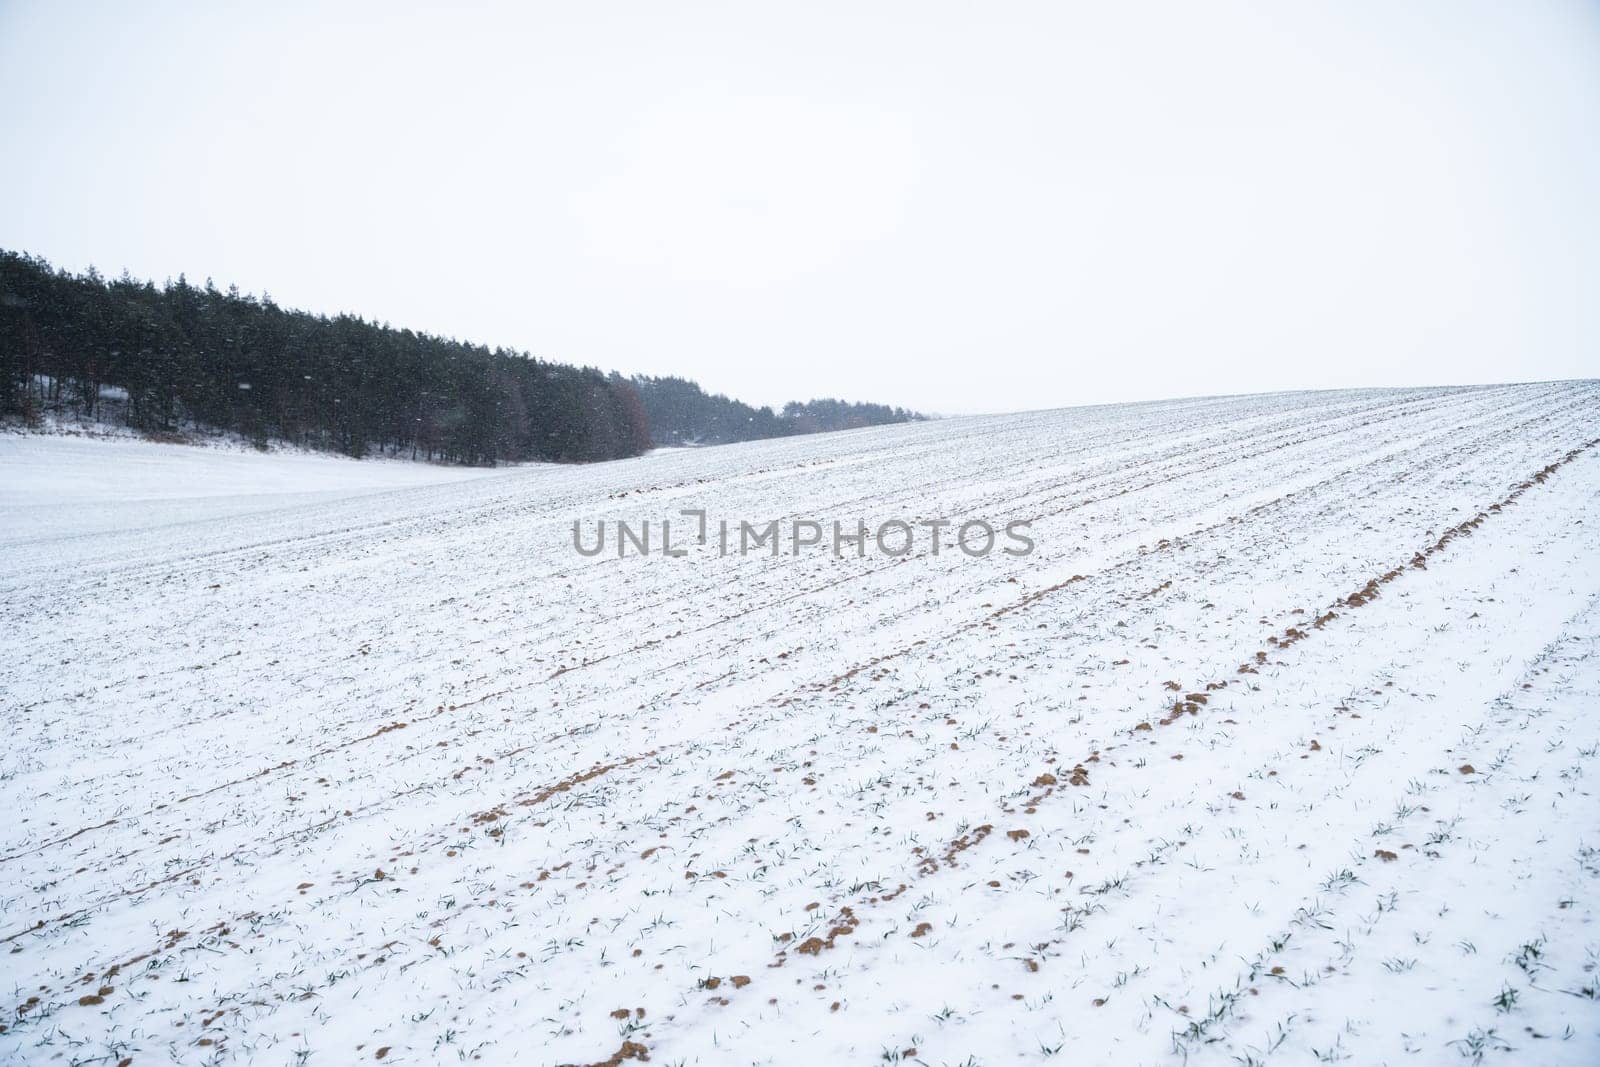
(954, 207)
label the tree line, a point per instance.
(681, 413)
(181, 357)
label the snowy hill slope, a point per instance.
(1282, 741)
(55, 487)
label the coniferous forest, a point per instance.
(178, 358)
(680, 412)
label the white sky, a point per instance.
(958, 207)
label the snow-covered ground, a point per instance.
(59, 486)
(1282, 743)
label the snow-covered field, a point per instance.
(1283, 743)
(57, 486)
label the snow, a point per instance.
(60, 486)
(1281, 744)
